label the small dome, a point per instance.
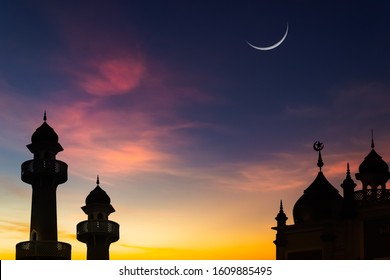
(373, 163)
(44, 134)
(97, 195)
(320, 201)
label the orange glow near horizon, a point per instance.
(166, 209)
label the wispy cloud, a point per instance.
(111, 76)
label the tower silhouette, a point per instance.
(44, 173)
(98, 232)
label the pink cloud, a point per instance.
(111, 76)
(98, 139)
(100, 60)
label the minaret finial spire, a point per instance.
(44, 116)
(281, 217)
(97, 180)
(318, 146)
(348, 172)
(372, 139)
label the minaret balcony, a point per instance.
(50, 167)
(43, 250)
(88, 228)
(372, 195)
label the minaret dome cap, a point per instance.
(97, 195)
(44, 134)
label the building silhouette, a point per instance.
(330, 226)
(44, 173)
(98, 232)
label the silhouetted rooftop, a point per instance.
(319, 201)
(97, 195)
(44, 134)
(373, 163)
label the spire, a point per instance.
(281, 218)
(97, 180)
(348, 182)
(44, 116)
(318, 146)
(348, 186)
(372, 139)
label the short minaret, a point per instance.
(98, 232)
(44, 173)
(348, 186)
(280, 228)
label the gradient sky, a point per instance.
(195, 135)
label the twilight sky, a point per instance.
(195, 135)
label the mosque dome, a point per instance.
(320, 201)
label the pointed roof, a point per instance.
(373, 163)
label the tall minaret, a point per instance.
(44, 173)
(98, 232)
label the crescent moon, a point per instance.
(270, 47)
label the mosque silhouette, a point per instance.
(44, 173)
(326, 224)
(330, 226)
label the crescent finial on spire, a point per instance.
(372, 139)
(44, 116)
(97, 180)
(318, 146)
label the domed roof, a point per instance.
(97, 195)
(44, 134)
(373, 163)
(320, 201)
(44, 138)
